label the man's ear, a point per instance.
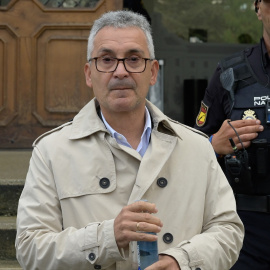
(87, 73)
(154, 72)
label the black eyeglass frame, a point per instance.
(123, 60)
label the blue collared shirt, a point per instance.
(142, 147)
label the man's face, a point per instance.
(120, 91)
(264, 15)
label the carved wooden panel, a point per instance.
(61, 90)
(42, 56)
(8, 46)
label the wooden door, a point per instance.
(42, 56)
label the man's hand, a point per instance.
(246, 129)
(165, 263)
(133, 218)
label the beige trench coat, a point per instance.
(66, 216)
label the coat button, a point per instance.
(162, 182)
(167, 238)
(92, 256)
(97, 266)
(104, 182)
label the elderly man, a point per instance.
(122, 168)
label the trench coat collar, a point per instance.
(88, 122)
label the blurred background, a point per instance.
(43, 51)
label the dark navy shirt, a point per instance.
(216, 101)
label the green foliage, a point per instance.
(226, 21)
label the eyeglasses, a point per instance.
(134, 64)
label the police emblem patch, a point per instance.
(201, 118)
(249, 115)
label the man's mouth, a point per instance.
(121, 85)
(121, 88)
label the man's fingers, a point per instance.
(244, 123)
(247, 137)
(146, 237)
(148, 227)
(245, 144)
(133, 221)
(147, 222)
(139, 212)
(243, 127)
(249, 129)
(142, 207)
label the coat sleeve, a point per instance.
(41, 240)
(219, 243)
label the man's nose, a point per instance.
(120, 69)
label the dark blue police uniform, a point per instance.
(240, 89)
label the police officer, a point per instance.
(235, 113)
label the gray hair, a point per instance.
(121, 19)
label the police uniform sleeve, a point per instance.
(215, 106)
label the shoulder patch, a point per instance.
(49, 132)
(202, 115)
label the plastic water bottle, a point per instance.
(147, 253)
(144, 253)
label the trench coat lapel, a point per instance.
(158, 152)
